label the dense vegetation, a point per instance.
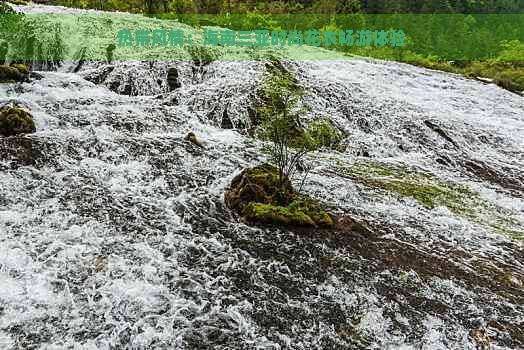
(303, 6)
(489, 47)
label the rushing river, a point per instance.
(114, 234)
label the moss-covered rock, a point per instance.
(191, 137)
(22, 68)
(19, 2)
(14, 72)
(259, 196)
(302, 211)
(15, 121)
(5, 9)
(259, 184)
(325, 134)
(275, 214)
(7, 72)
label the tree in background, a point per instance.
(300, 6)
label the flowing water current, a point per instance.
(114, 233)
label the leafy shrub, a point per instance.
(280, 114)
(324, 134)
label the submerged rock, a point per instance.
(172, 78)
(260, 196)
(15, 121)
(17, 151)
(440, 132)
(191, 137)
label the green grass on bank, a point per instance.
(508, 75)
(476, 46)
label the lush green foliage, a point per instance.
(499, 41)
(302, 6)
(506, 74)
(280, 124)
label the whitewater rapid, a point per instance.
(114, 234)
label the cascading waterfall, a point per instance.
(114, 233)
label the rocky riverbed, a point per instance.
(114, 233)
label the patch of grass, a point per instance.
(508, 75)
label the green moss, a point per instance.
(325, 134)
(260, 184)
(14, 72)
(259, 195)
(430, 195)
(22, 68)
(431, 192)
(301, 212)
(7, 72)
(14, 121)
(426, 189)
(272, 214)
(508, 226)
